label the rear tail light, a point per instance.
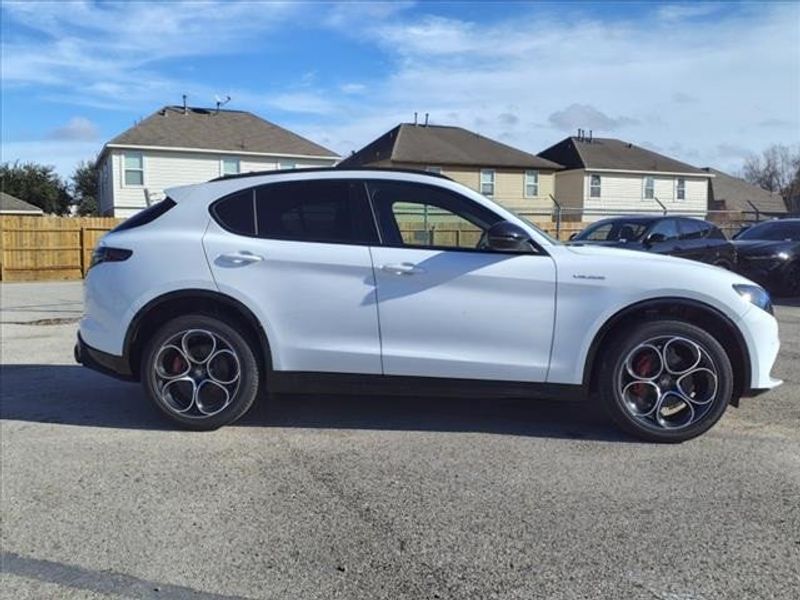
(104, 254)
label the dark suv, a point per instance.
(769, 253)
(678, 236)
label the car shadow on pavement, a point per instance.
(73, 395)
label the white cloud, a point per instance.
(678, 12)
(353, 88)
(77, 129)
(587, 117)
(107, 54)
(691, 88)
(722, 75)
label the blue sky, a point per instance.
(704, 82)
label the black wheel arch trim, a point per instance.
(193, 294)
(668, 303)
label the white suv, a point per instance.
(380, 281)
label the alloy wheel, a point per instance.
(668, 382)
(196, 373)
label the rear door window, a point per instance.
(692, 229)
(332, 211)
(665, 231)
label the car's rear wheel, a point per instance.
(666, 381)
(201, 372)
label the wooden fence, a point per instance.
(45, 248)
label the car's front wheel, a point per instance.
(666, 381)
(201, 372)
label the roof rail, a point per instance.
(326, 170)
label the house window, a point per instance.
(487, 182)
(230, 166)
(437, 170)
(680, 188)
(134, 168)
(531, 184)
(649, 188)
(594, 186)
(284, 165)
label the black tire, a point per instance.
(656, 339)
(230, 351)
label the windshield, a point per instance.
(773, 231)
(614, 231)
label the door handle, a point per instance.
(241, 258)
(402, 269)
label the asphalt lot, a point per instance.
(321, 497)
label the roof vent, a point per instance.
(185, 108)
(426, 119)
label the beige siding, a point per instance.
(168, 169)
(569, 189)
(509, 185)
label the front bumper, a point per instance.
(770, 273)
(760, 331)
(102, 362)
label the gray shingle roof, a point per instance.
(207, 129)
(735, 193)
(441, 145)
(610, 153)
(13, 205)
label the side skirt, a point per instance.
(304, 382)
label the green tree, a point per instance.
(84, 188)
(36, 184)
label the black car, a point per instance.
(769, 253)
(679, 236)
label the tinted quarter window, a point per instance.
(148, 215)
(235, 213)
(334, 211)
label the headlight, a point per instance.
(783, 255)
(755, 295)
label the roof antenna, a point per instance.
(415, 118)
(184, 104)
(426, 119)
(222, 102)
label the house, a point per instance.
(179, 145)
(518, 180)
(11, 205)
(606, 176)
(728, 193)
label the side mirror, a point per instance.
(507, 237)
(573, 236)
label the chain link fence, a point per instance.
(431, 226)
